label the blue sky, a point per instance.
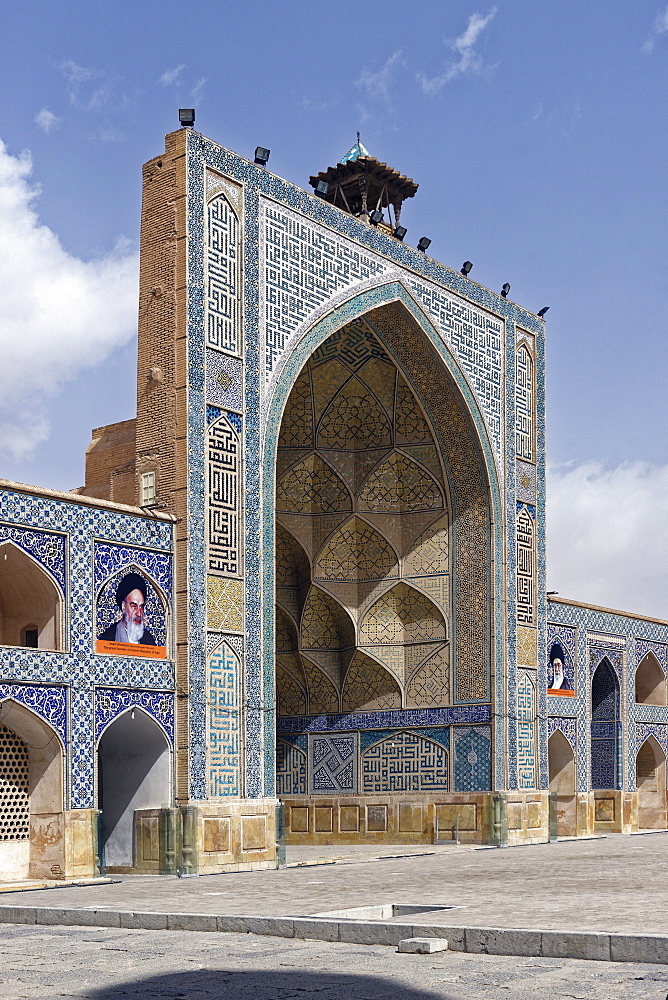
(535, 130)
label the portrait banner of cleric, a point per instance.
(129, 634)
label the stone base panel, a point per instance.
(472, 817)
(203, 839)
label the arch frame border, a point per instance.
(356, 307)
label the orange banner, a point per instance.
(131, 649)
(564, 694)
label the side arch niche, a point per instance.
(561, 764)
(605, 726)
(407, 632)
(405, 762)
(30, 602)
(650, 682)
(32, 829)
(651, 785)
(290, 681)
(134, 772)
(327, 634)
(369, 687)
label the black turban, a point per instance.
(130, 582)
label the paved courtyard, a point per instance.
(113, 964)
(614, 884)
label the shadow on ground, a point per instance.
(220, 984)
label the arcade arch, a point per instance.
(650, 681)
(30, 602)
(31, 796)
(364, 553)
(561, 764)
(134, 772)
(651, 785)
(605, 726)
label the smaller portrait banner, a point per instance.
(560, 673)
(130, 617)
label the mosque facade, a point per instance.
(301, 597)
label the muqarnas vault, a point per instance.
(327, 526)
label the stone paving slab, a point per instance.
(54, 963)
(613, 886)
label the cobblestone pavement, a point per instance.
(112, 964)
(614, 884)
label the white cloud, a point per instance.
(377, 85)
(171, 76)
(198, 87)
(47, 120)
(608, 536)
(660, 27)
(467, 61)
(59, 314)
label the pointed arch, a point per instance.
(356, 551)
(312, 487)
(402, 615)
(327, 633)
(30, 599)
(561, 767)
(400, 485)
(650, 681)
(403, 329)
(42, 796)
(297, 420)
(134, 772)
(323, 696)
(369, 687)
(605, 727)
(651, 785)
(354, 420)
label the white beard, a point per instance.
(134, 631)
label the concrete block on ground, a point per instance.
(503, 941)
(77, 918)
(422, 945)
(639, 948)
(272, 926)
(314, 929)
(373, 932)
(144, 921)
(17, 914)
(591, 945)
(192, 922)
(456, 936)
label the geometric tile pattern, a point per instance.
(223, 728)
(404, 762)
(44, 546)
(290, 769)
(565, 725)
(224, 604)
(222, 326)
(524, 404)
(49, 702)
(59, 686)
(473, 758)
(333, 764)
(224, 380)
(111, 702)
(224, 460)
(526, 737)
(526, 562)
(304, 267)
(471, 715)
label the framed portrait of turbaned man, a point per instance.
(130, 617)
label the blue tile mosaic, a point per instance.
(112, 702)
